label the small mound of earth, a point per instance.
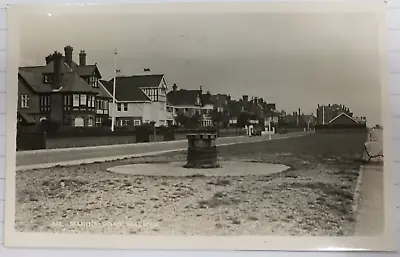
(176, 169)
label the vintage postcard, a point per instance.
(204, 126)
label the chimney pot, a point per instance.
(82, 58)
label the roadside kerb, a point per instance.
(120, 157)
(86, 148)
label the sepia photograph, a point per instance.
(199, 126)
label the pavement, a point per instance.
(370, 204)
(370, 216)
(74, 156)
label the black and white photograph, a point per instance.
(199, 126)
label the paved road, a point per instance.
(35, 158)
(370, 216)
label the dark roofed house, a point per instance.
(188, 102)
(343, 119)
(140, 99)
(62, 91)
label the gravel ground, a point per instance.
(313, 197)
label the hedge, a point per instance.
(30, 138)
(340, 127)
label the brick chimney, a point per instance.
(57, 76)
(68, 55)
(82, 58)
(56, 112)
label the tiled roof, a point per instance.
(183, 97)
(87, 70)
(219, 100)
(128, 88)
(102, 91)
(143, 81)
(70, 82)
(207, 99)
(35, 80)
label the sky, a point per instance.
(294, 59)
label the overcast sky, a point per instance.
(296, 60)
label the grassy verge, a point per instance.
(313, 197)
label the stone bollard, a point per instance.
(202, 151)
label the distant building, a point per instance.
(343, 119)
(140, 99)
(62, 91)
(326, 113)
(189, 102)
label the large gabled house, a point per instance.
(190, 102)
(139, 99)
(62, 91)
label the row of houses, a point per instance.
(75, 94)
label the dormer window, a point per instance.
(47, 79)
(92, 81)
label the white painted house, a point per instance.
(140, 99)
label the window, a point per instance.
(99, 121)
(125, 107)
(118, 107)
(90, 122)
(76, 100)
(79, 122)
(92, 81)
(124, 123)
(24, 101)
(47, 79)
(91, 101)
(106, 106)
(136, 123)
(45, 103)
(102, 104)
(83, 100)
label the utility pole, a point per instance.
(114, 86)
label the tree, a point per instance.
(194, 121)
(243, 119)
(216, 116)
(181, 119)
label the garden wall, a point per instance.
(334, 128)
(70, 137)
